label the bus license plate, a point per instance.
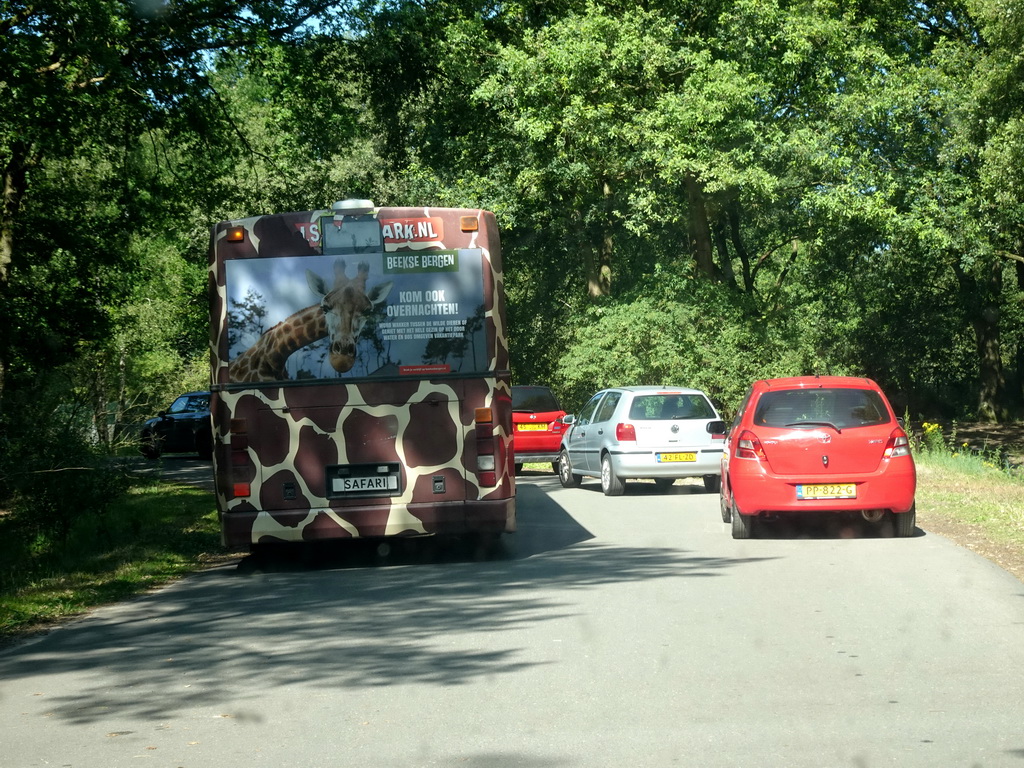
(364, 480)
(532, 427)
(827, 491)
(364, 484)
(666, 457)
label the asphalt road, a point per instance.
(608, 632)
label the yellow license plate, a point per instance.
(666, 457)
(532, 427)
(827, 491)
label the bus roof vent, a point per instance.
(352, 207)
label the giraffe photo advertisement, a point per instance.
(371, 314)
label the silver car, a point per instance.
(661, 433)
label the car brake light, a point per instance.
(898, 444)
(624, 432)
(749, 447)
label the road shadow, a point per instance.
(543, 526)
(350, 618)
(682, 487)
(828, 526)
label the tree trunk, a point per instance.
(15, 180)
(1018, 356)
(983, 297)
(599, 254)
(737, 244)
(700, 232)
(724, 258)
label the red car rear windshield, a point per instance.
(842, 408)
(534, 400)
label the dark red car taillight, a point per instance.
(749, 447)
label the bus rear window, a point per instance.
(353, 235)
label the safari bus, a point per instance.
(360, 375)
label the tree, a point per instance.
(81, 76)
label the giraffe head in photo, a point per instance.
(345, 307)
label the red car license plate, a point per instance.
(827, 491)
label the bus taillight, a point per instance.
(485, 448)
(241, 466)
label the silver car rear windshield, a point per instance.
(670, 406)
(842, 408)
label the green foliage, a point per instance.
(674, 331)
(52, 471)
(702, 192)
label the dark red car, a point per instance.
(817, 444)
(536, 426)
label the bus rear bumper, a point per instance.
(243, 528)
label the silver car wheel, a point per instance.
(565, 473)
(610, 484)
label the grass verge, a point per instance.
(155, 533)
(968, 498)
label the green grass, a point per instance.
(972, 490)
(152, 535)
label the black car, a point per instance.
(183, 428)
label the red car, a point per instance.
(817, 444)
(536, 426)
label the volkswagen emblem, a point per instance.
(675, 428)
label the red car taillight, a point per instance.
(898, 444)
(625, 432)
(749, 447)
